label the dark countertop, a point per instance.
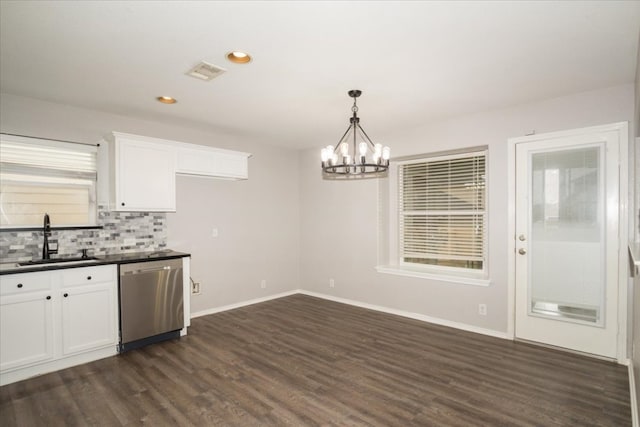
(12, 267)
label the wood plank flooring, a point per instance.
(303, 361)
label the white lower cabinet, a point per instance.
(26, 329)
(88, 318)
(55, 319)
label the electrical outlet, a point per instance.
(482, 309)
(263, 283)
(195, 288)
(332, 283)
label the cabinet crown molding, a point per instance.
(112, 136)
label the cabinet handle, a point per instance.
(65, 295)
(122, 203)
(48, 296)
(19, 285)
(88, 277)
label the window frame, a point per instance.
(390, 255)
(82, 173)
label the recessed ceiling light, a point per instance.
(166, 100)
(238, 57)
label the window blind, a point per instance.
(41, 176)
(442, 211)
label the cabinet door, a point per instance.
(145, 176)
(211, 162)
(231, 166)
(88, 318)
(26, 329)
(193, 161)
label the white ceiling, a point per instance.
(414, 61)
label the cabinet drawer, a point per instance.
(88, 275)
(11, 284)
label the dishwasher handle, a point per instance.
(147, 270)
(150, 267)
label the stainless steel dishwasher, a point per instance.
(151, 302)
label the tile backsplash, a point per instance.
(121, 232)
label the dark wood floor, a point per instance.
(304, 361)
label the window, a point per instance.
(442, 213)
(40, 176)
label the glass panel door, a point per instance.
(567, 247)
(566, 196)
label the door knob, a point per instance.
(522, 238)
(521, 251)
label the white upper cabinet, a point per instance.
(143, 174)
(213, 162)
(143, 170)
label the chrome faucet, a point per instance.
(46, 252)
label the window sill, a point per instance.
(409, 272)
(62, 227)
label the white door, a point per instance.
(567, 213)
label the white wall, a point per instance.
(258, 219)
(339, 219)
(258, 231)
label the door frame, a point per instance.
(623, 216)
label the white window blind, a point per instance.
(41, 176)
(442, 216)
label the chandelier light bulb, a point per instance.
(377, 153)
(363, 148)
(386, 153)
(331, 157)
(324, 155)
(344, 149)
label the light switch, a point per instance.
(214, 232)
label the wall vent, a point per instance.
(205, 71)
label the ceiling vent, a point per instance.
(205, 71)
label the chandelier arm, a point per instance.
(343, 135)
(355, 125)
(365, 135)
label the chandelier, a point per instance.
(350, 159)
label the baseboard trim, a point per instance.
(635, 422)
(415, 316)
(243, 304)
